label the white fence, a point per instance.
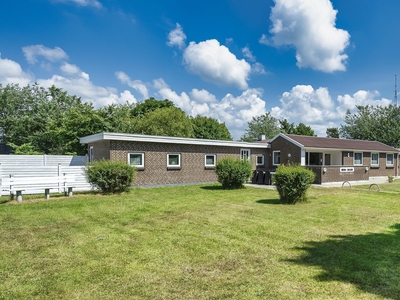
(45, 166)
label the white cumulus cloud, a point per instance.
(34, 51)
(94, 3)
(11, 72)
(136, 84)
(177, 37)
(309, 25)
(215, 63)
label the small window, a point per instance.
(260, 160)
(91, 154)
(136, 159)
(210, 160)
(390, 160)
(174, 160)
(374, 159)
(245, 154)
(276, 158)
(358, 158)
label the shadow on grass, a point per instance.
(269, 201)
(371, 262)
(212, 187)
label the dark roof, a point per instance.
(333, 143)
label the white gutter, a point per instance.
(166, 139)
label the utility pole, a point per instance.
(395, 89)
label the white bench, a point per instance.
(16, 185)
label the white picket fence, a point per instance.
(44, 166)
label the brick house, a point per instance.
(171, 160)
(335, 160)
(174, 160)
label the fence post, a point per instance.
(1, 183)
(44, 160)
(59, 174)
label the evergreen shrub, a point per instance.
(110, 176)
(292, 182)
(232, 173)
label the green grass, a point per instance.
(202, 242)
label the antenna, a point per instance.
(395, 88)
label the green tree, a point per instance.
(209, 128)
(303, 129)
(262, 125)
(373, 123)
(332, 132)
(119, 117)
(169, 121)
(286, 127)
(149, 105)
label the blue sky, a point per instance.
(304, 60)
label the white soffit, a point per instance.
(166, 139)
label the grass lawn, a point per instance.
(202, 242)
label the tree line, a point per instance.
(36, 120)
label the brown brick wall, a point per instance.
(100, 150)
(286, 148)
(192, 161)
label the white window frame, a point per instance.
(242, 154)
(136, 153)
(354, 159)
(179, 160)
(372, 163)
(214, 159)
(262, 160)
(387, 164)
(273, 158)
(91, 154)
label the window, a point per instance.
(173, 160)
(91, 154)
(358, 158)
(276, 158)
(245, 154)
(210, 160)
(260, 160)
(136, 159)
(374, 159)
(390, 159)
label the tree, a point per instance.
(303, 129)
(149, 105)
(332, 132)
(286, 127)
(373, 123)
(209, 128)
(262, 125)
(169, 121)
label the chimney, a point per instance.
(262, 137)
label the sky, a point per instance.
(305, 61)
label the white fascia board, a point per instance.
(165, 139)
(288, 139)
(308, 149)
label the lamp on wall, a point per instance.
(324, 170)
(366, 169)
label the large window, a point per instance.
(136, 159)
(173, 160)
(390, 160)
(260, 160)
(276, 158)
(245, 154)
(374, 159)
(358, 158)
(209, 160)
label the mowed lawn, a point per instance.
(202, 242)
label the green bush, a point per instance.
(232, 173)
(110, 176)
(292, 182)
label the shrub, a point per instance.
(110, 176)
(292, 182)
(232, 173)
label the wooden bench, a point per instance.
(16, 185)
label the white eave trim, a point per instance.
(165, 139)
